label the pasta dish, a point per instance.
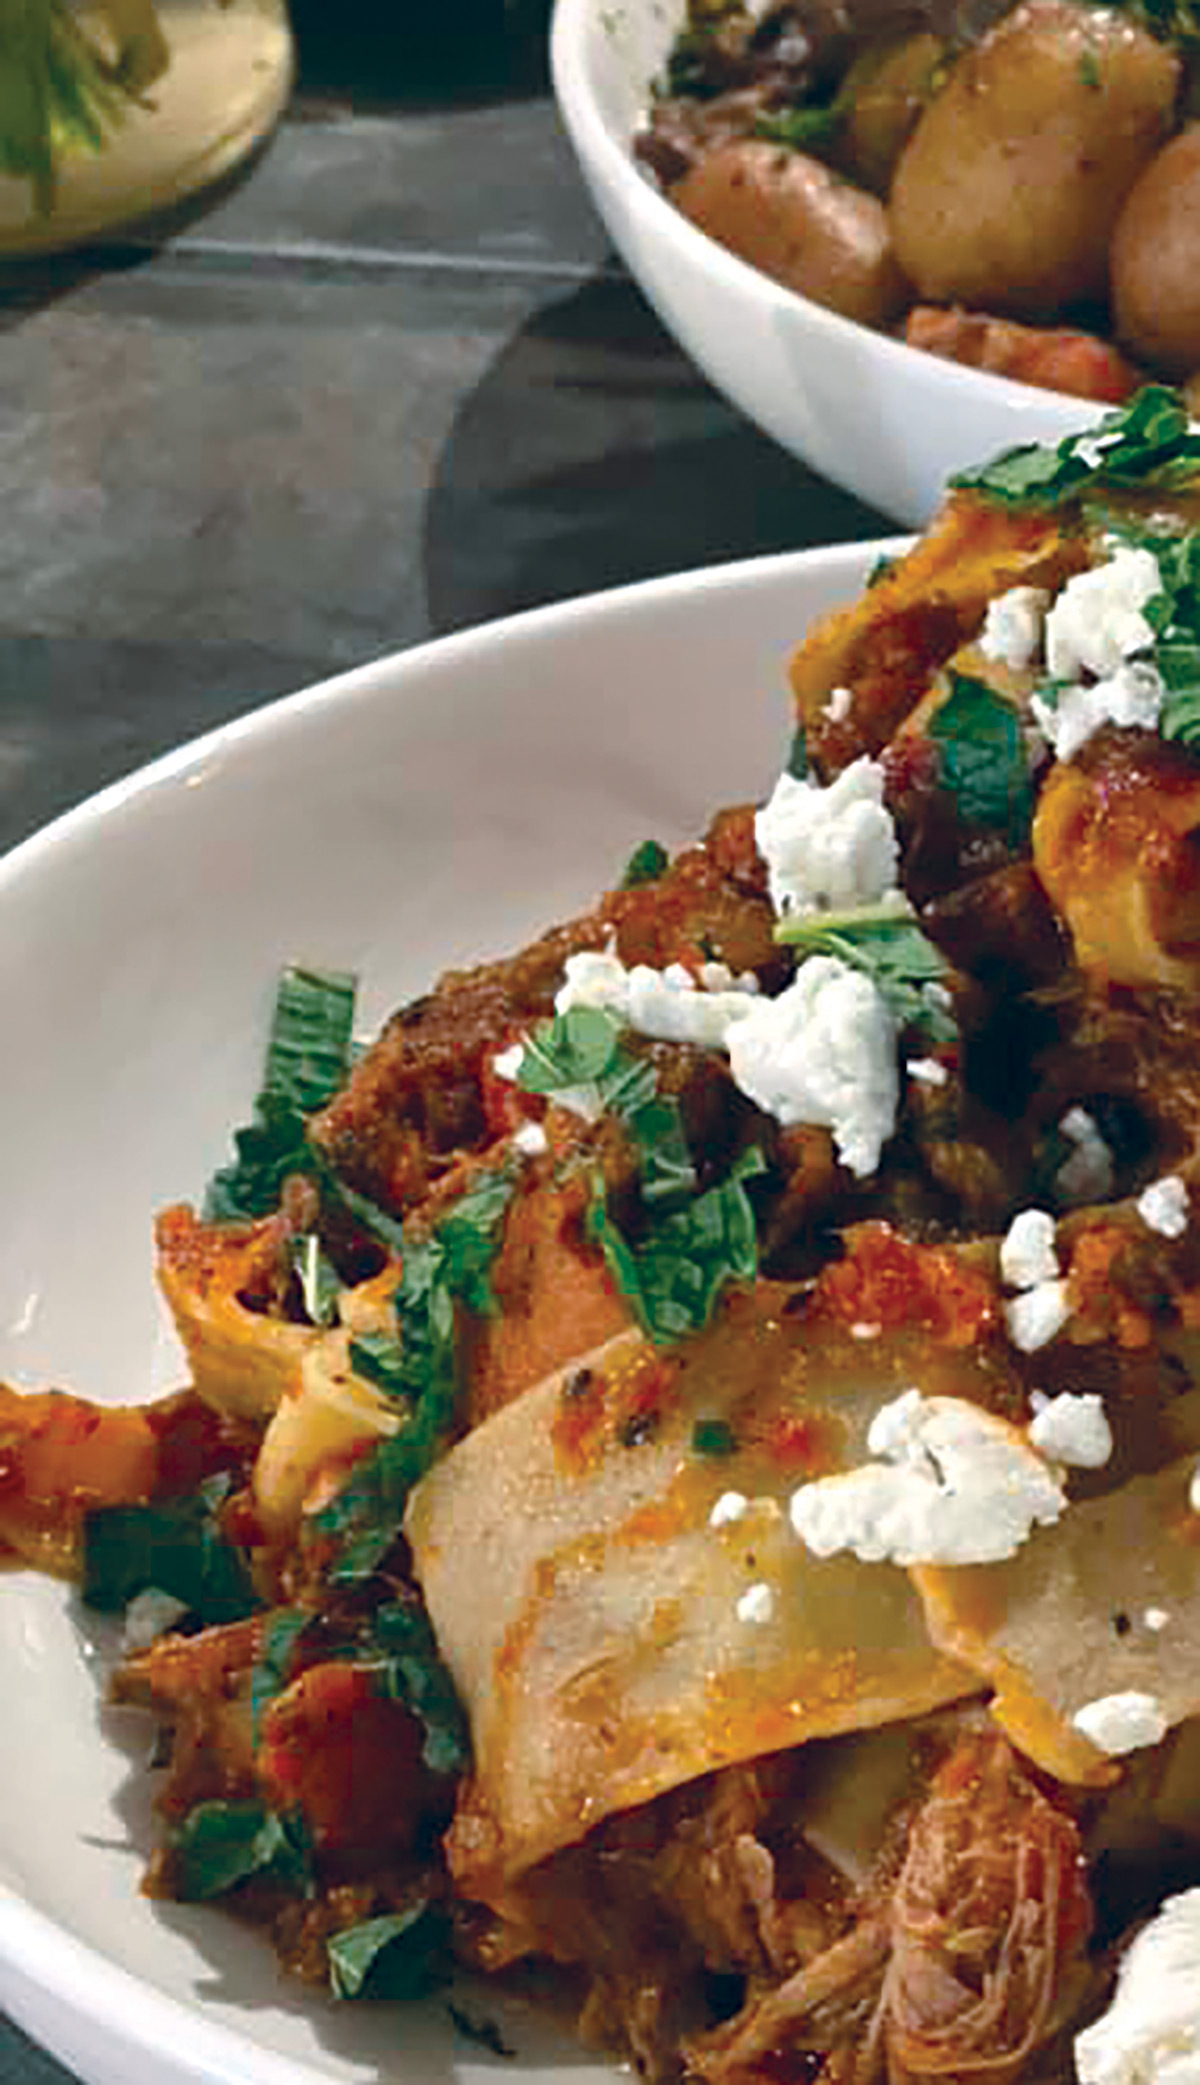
(686, 1501)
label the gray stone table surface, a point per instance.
(388, 383)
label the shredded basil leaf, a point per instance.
(900, 960)
(983, 759)
(403, 1954)
(222, 1843)
(405, 1665)
(1145, 442)
(797, 761)
(645, 864)
(272, 1668)
(379, 1357)
(309, 1050)
(175, 1546)
(451, 1266)
(673, 1277)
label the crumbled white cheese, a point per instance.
(1194, 1490)
(1038, 1315)
(1088, 1174)
(530, 1139)
(718, 977)
(1027, 1251)
(927, 1071)
(1097, 623)
(1120, 1723)
(955, 1485)
(507, 1065)
(839, 705)
(1164, 1206)
(731, 1506)
(864, 1328)
(757, 1604)
(1073, 1429)
(823, 1052)
(829, 849)
(666, 1004)
(1012, 626)
(1133, 695)
(1156, 1618)
(1150, 2034)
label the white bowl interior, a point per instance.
(890, 423)
(426, 810)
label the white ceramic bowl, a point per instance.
(885, 420)
(433, 808)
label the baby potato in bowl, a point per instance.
(1024, 177)
(887, 403)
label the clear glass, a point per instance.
(230, 73)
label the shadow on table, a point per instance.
(593, 453)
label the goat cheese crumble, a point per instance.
(1012, 627)
(666, 1004)
(1095, 635)
(1164, 1206)
(829, 849)
(1150, 2034)
(1133, 695)
(1073, 1428)
(1120, 1723)
(953, 1485)
(823, 1051)
(1097, 623)
(1027, 1250)
(1029, 1262)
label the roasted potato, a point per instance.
(1156, 260)
(791, 217)
(1006, 195)
(884, 92)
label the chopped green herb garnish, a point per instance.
(797, 760)
(403, 1954)
(1147, 442)
(673, 1277)
(714, 1437)
(220, 1844)
(437, 1272)
(405, 1665)
(272, 1669)
(309, 1052)
(645, 864)
(800, 129)
(900, 960)
(983, 759)
(379, 1357)
(176, 1547)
